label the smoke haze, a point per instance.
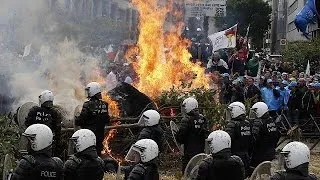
(54, 63)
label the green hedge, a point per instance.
(210, 107)
(9, 139)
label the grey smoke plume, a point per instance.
(54, 62)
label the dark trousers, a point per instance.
(246, 161)
(99, 145)
(260, 156)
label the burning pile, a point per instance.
(163, 58)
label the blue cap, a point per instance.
(285, 82)
(225, 75)
(293, 84)
(316, 84)
(269, 81)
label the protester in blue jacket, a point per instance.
(284, 94)
(271, 96)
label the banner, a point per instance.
(224, 39)
(308, 69)
(27, 50)
(200, 8)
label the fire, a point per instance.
(106, 147)
(164, 60)
(112, 105)
(114, 112)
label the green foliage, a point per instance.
(302, 51)
(9, 138)
(257, 13)
(213, 111)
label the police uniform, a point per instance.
(153, 132)
(84, 165)
(241, 139)
(192, 134)
(50, 117)
(39, 166)
(266, 135)
(299, 173)
(144, 171)
(94, 116)
(221, 166)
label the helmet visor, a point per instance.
(183, 109)
(143, 120)
(283, 158)
(87, 92)
(228, 115)
(73, 145)
(207, 146)
(253, 114)
(134, 154)
(27, 143)
(40, 102)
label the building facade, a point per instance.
(293, 8)
(282, 20)
(120, 11)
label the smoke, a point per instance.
(54, 62)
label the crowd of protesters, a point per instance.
(270, 81)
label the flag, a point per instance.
(27, 50)
(109, 50)
(248, 29)
(224, 39)
(307, 15)
(111, 81)
(308, 69)
(244, 47)
(110, 54)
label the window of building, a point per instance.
(291, 26)
(293, 7)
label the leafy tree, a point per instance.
(300, 52)
(257, 13)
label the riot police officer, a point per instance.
(94, 114)
(149, 120)
(46, 114)
(266, 134)
(144, 153)
(221, 164)
(297, 157)
(193, 130)
(151, 128)
(38, 164)
(85, 164)
(239, 130)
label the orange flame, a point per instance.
(112, 105)
(164, 60)
(106, 147)
(114, 112)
